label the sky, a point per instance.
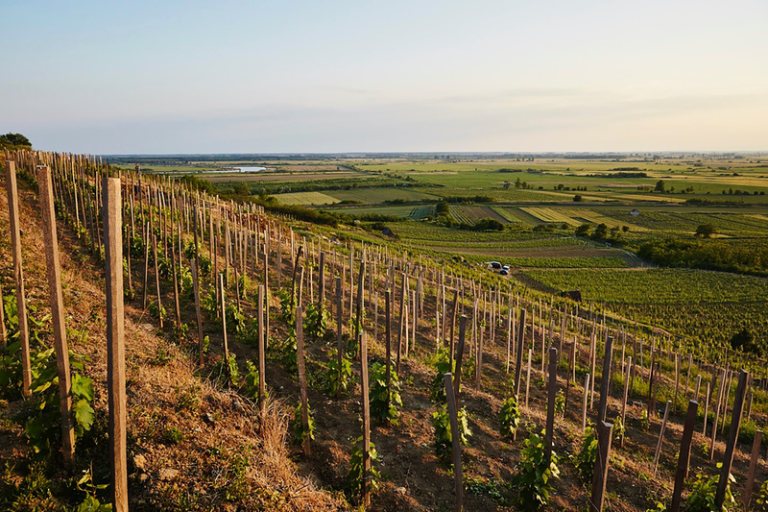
(274, 76)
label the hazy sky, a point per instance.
(332, 76)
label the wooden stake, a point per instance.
(606, 377)
(550, 430)
(752, 468)
(454, 417)
(198, 314)
(684, 457)
(262, 352)
(222, 292)
(584, 404)
(600, 476)
(660, 442)
(115, 344)
(302, 378)
(733, 435)
(365, 488)
(18, 272)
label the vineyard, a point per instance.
(706, 306)
(163, 348)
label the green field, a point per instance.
(306, 198)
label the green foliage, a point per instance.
(702, 495)
(534, 476)
(645, 422)
(285, 352)
(584, 461)
(173, 435)
(157, 312)
(706, 231)
(14, 141)
(209, 303)
(509, 417)
(494, 489)
(286, 305)
(619, 430)
(443, 438)
(91, 503)
(355, 475)
(337, 378)
(236, 320)
(243, 283)
(297, 427)
(762, 496)
(251, 385)
(206, 344)
(381, 411)
(560, 402)
(229, 369)
(442, 366)
(43, 428)
(315, 322)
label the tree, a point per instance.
(583, 230)
(577, 198)
(601, 232)
(745, 340)
(442, 208)
(518, 183)
(706, 231)
(242, 189)
(14, 140)
(660, 186)
(488, 224)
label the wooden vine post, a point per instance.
(752, 468)
(604, 382)
(305, 446)
(18, 272)
(115, 343)
(262, 352)
(198, 315)
(519, 353)
(453, 414)
(58, 312)
(733, 435)
(388, 343)
(684, 457)
(222, 293)
(339, 340)
(550, 429)
(459, 359)
(365, 487)
(600, 475)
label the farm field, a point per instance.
(700, 304)
(381, 195)
(306, 198)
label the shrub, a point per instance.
(315, 322)
(534, 476)
(383, 410)
(443, 442)
(560, 402)
(251, 386)
(297, 427)
(509, 417)
(355, 475)
(442, 366)
(337, 378)
(584, 461)
(702, 496)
